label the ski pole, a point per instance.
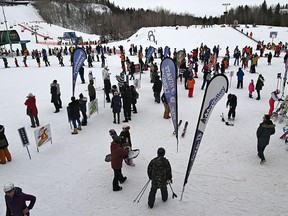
(173, 195)
(141, 192)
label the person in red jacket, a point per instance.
(32, 110)
(118, 153)
(16, 201)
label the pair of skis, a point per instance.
(230, 122)
(184, 129)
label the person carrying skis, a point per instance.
(160, 173)
(264, 131)
(274, 97)
(232, 103)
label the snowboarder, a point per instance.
(264, 131)
(126, 142)
(118, 153)
(160, 173)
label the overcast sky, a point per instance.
(198, 8)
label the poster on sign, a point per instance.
(43, 135)
(93, 107)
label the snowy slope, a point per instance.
(69, 176)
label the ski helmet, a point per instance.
(161, 152)
(8, 187)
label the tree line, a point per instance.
(101, 17)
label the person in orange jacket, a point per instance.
(190, 85)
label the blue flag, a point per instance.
(79, 56)
(149, 54)
(216, 89)
(166, 51)
(169, 81)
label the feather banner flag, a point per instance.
(216, 89)
(169, 81)
(79, 56)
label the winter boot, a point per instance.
(79, 127)
(75, 131)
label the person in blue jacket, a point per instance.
(240, 74)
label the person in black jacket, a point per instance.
(127, 101)
(74, 114)
(83, 108)
(232, 103)
(4, 152)
(157, 87)
(259, 85)
(116, 105)
(16, 201)
(55, 96)
(135, 96)
(264, 131)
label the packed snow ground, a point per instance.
(70, 177)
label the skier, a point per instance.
(232, 103)
(274, 97)
(264, 131)
(160, 173)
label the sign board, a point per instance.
(23, 136)
(273, 34)
(43, 135)
(93, 107)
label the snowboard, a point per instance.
(132, 154)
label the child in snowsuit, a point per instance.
(251, 88)
(126, 142)
(190, 85)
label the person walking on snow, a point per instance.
(118, 153)
(264, 131)
(160, 173)
(190, 86)
(232, 103)
(274, 97)
(74, 114)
